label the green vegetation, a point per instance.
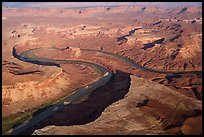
(11, 121)
(28, 54)
(87, 93)
(15, 119)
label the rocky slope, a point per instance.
(150, 117)
(152, 37)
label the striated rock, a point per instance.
(173, 42)
(141, 102)
(165, 108)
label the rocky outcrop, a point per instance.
(104, 29)
(192, 126)
(143, 101)
(165, 110)
(152, 44)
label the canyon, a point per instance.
(137, 100)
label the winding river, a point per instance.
(106, 75)
(128, 61)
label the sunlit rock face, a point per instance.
(138, 100)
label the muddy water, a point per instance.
(106, 77)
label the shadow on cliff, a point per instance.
(91, 108)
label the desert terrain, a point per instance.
(154, 55)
